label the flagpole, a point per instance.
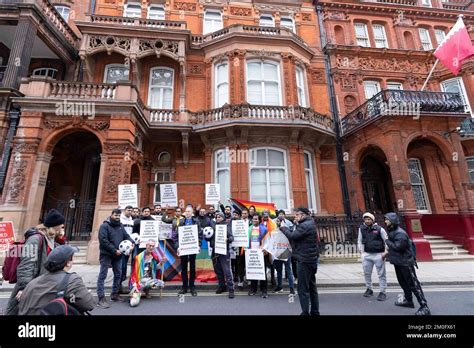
(163, 267)
(429, 75)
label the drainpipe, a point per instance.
(14, 117)
(335, 113)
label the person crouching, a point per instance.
(143, 278)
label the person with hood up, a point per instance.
(401, 255)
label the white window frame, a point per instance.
(289, 18)
(217, 154)
(253, 165)
(108, 66)
(423, 186)
(128, 6)
(312, 188)
(460, 83)
(363, 41)
(217, 84)
(426, 44)
(469, 171)
(277, 64)
(37, 72)
(301, 86)
(62, 11)
(211, 25)
(264, 15)
(426, 3)
(380, 42)
(156, 196)
(150, 86)
(373, 83)
(440, 35)
(154, 8)
(399, 85)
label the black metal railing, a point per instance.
(401, 103)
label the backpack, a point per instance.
(13, 259)
(59, 306)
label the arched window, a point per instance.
(160, 94)
(263, 83)
(49, 72)
(222, 172)
(221, 90)
(115, 72)
(269, 177)
(63, 11)
(418, 186)
(212, 21)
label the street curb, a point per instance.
(207, 286)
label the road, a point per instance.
(443, 300)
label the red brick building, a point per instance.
(106, 92)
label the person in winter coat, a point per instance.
(371, 244)
(220, 262)
(43, 289)
(304, 240)
(111, 234)
(281, 217)
(32, 263)
(203, 219)
(401, 255)
(187, 283)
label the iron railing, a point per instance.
(401, 103)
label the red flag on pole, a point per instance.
(455, 48)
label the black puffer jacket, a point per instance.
(398, 243)
(111, 234)
(304, 240)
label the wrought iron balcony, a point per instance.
(401, 103)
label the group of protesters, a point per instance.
(45, 279)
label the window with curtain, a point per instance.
(132, 10)
(309, 175)
(222, 172)
(269, 177)
(63, 11)
(379, 36)
(263, 83)
(221, 91)
(212, 21)
(362, 35)
(156, 12)
(160, 94)
(425, 39)
(115, 72)
(300, 86)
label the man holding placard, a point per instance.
(220, 244)
(254, 258)
(146, 216)
(188, 238)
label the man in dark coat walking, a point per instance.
(304, 240)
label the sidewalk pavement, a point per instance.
(329, 275)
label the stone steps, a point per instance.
(446, 250)
(80, 258)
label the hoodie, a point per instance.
(111, 234)
(398, 243)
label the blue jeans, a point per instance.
(279, 268)
(107, 261)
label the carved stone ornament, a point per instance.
(184, 6)
(17, 181)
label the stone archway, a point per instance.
(376, 181)
(72, 182)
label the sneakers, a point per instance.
(252, 293)
(264, 294)
(103, 303)
(423, 310)
(382, 296)
(194, 292)
(278, 289)
(182, 291)
(231, 294)
(221, 289)
(405, 303)
(368, 293)
(240, 285)
(116, 298)
(292, 291)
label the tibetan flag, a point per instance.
(259, 206)
(455, 48)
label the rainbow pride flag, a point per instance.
(259, 206)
